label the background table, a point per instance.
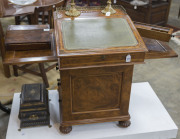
(154, 123)
(9, 9)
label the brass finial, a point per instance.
(108, 8)
(73, 11)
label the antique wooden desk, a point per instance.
(96, 56)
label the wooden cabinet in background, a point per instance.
(156, 12)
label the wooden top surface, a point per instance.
(16, 34)
(31, 56)
(95, 14)
(9, 9)
(99, 33)
(27, 36)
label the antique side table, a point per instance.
(96, 56)
(9, 9)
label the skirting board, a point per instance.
(149, 119)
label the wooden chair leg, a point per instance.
(17, 20)
(6, 69)
(43, 74)
(15, 70)
(32, 20)
(29, 19)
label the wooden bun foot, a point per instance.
(124, 123)
(65, 129)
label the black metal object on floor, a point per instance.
(5, 109)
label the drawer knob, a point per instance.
(59, 82)
(57, 67)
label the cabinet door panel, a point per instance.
(96, 92)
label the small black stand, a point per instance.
(5, 109)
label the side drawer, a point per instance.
(99, 60)
(158, 49)
(153, 31)
(156, 39)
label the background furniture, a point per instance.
(17, 50)
(8, 9)
(44, 15)
(6, 68)
(156, 12)
(155, 122)
(41, 15)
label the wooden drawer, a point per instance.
(156, 40)
(153, 31)
(158, 49)
(28, 46)
(114, 59)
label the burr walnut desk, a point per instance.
(96, 56)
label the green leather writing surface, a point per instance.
(97, 33)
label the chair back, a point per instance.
(45, 14)
(60, 4)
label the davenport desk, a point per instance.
(96, 55)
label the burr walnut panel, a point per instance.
(98, 96)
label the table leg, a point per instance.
(6, 71)
(31, 19)
(17, 20)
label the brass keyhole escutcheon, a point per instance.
(33, 117)
(103, 57)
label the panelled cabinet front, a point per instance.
(95, 94)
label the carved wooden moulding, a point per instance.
(34, 106)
